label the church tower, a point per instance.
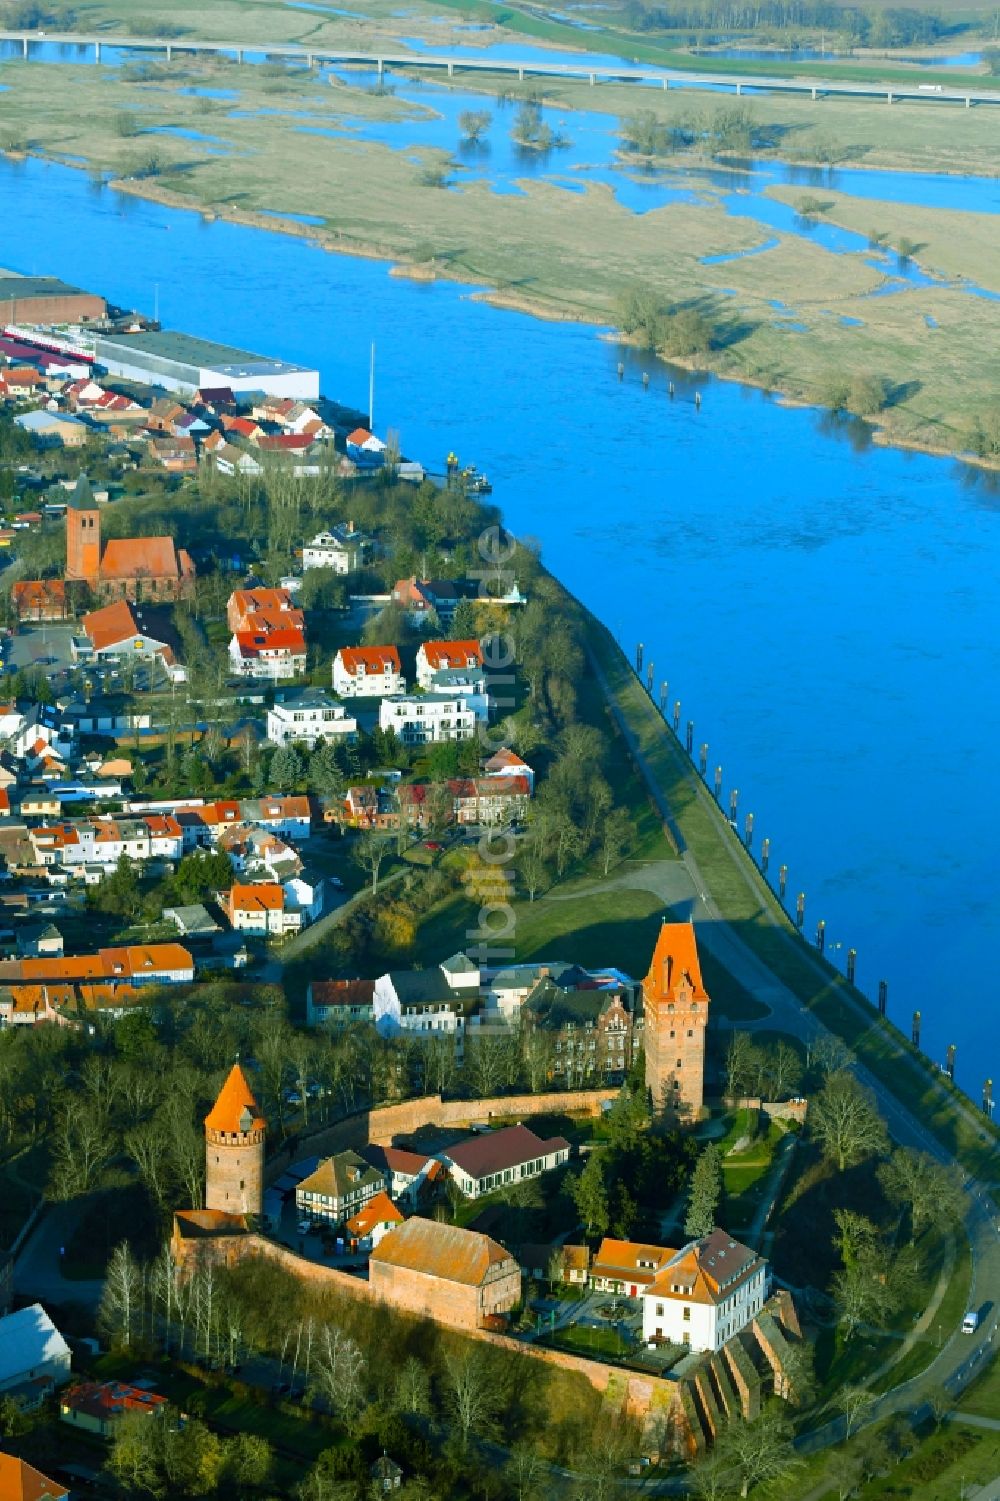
(675, 1004)
(234, 1149)
(83, 535)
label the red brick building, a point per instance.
(234, 1149)
(130, 567)
(456, 1277)
(676, 1014)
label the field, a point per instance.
(784, 319)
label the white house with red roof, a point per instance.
(374, 1221)
(275, 654)
(705, 1293)
(367, 672)
(507, 763)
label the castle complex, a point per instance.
(676, 1006)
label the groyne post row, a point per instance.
(666, 78)
(746, 844)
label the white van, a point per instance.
(971, 1321)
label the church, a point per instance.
(136, 568)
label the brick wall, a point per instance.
(386, 1124)
(234, 1172)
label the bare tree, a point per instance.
(144, 1144)
(855, 1402)
(121, 1302)
(931, 1191)
(338, 1371)
(81, 1145)
(845, 1121)
(760, 1452)
(413, 1388)
(471, 1389)
(369, 852)
(618, 835)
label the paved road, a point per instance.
(526, 68)
(38, 1269)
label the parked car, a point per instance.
(971, 1321)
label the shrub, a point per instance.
(867, 395)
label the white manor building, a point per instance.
(341, 549)
(705, 1293)
(367, 672)
(308, 717)
(426, 720)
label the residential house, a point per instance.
(442, 1272)
(20, 1481)
(555, 1263)
(261, 908)
(39, 940)
(372, 807)
(305, 892)
(490, 800)
(102, 841)
(342, 549)
(374, 1221)
(367, 672)
(590, 1027)
(626, 1267)
(705, 1293)
(340, 1187)
(437, 656)
(495, 1159)
(288, 814)
(34, 1357)
(230, 460)
(340, 1003)
(469, 686)
(99, 1406)
(410, 1175)
(426, 720)
(250, 609)
(42, 728)
(276, 654)
(427, 600)
(507, 763)
(309, 717)
(39, 599)
(367, 451)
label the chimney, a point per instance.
(668, 969)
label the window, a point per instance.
(687, 1314)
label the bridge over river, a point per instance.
(584, 71)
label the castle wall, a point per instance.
(234, 1172)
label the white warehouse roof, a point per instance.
(28, 1339)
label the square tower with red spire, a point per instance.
(234, 1149)
(676, 1004)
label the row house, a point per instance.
(103, 841)
(287, 815)
(427, 720)
(440, 656)
(290, 415)
(371, 807)
(134, 964)
(367, 672)
(488, 800)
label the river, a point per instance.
(824, 610)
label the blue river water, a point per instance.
(825, 610)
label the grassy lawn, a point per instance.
(600, 1343)
(983, 1397)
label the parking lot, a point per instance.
(44, 646)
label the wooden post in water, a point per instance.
(689, 737)
(664, 686)
(883, 997)
(638, 660)
(800, 909)
(821, 935)
(649, 679)
(852, 960)
(670, 389)
(734, 798)
(697, 400)
(703, 759)
(988, 1098)
(765, 855)
(718, 783)
(782, 881)
(677, 715)
(950, 1064)
(748, 831)
(915, 1030)
(621, 370)
(645, 380)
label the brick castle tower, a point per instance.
(83, 535)
(234, 1149)
(676, 1004)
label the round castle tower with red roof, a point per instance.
(234, 1149)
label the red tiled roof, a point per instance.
(439, 1250)
(290, 641)
(454, 654)
(264, 896)
(20, 1481)
(378, 1211)
(140, 557)
(370, 659)
(235, 1110)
